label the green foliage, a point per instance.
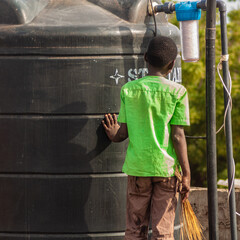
(194, 80)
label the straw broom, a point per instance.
(191, 228)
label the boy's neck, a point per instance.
(162, 72)
(152, 71)
(156, 73)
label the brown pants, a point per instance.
(151, 196)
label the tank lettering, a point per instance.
(116, 76)
(179, 74)
(175, 75)
(134, 73)
(144, 71)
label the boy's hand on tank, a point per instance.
(110, 125)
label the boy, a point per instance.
(152, 115)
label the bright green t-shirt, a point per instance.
(149, 106)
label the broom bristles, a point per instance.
(191, 227)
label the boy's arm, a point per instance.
(180, 146)
(114, 132)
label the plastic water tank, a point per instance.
(62, 65)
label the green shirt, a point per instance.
(149, 106)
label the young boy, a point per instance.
(152, 115)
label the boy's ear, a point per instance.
(145, 57)
(171, 65)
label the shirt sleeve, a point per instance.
(181, 112)
(122, 113)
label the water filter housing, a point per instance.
(188, 15)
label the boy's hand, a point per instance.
(180, 146)
(110, 125)
(185, 188)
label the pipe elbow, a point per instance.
(202, 5)
(221, 5)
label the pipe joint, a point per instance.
(202, 4)
(167, 7)
(221, 5)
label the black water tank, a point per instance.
(62, 65)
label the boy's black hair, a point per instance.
(161, 51)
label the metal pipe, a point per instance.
(210, 6)
(202, 4)
(211, 121)
(167, 7)
(221, 5)
(228, 122)
(210, 112)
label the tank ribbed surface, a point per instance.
(60, 176)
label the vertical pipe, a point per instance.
(211, 120)
(228, 127)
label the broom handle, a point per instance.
(179, 179)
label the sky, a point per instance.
(232, 5)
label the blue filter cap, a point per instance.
(186, 11)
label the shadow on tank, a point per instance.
(52, 143)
